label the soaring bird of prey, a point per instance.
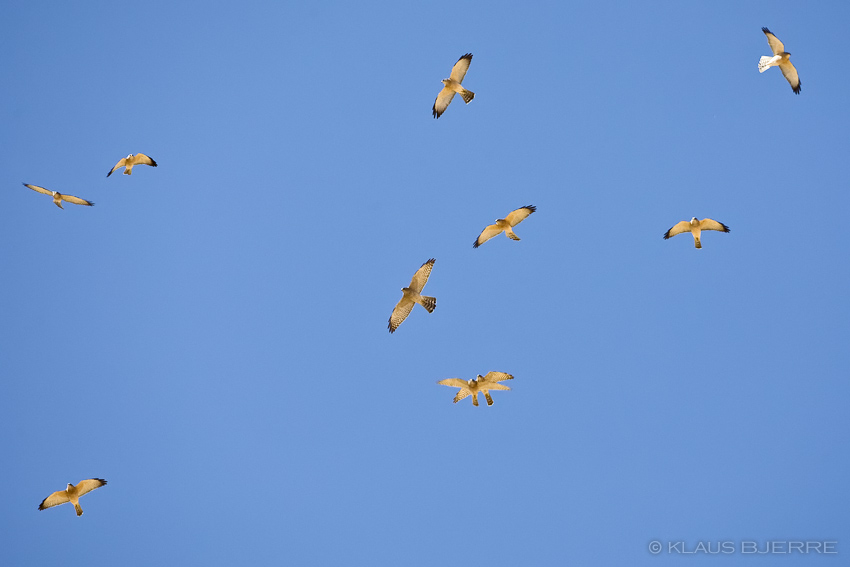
(781, 59)
(506, 224)
(128, 162)
(482, 384)
(59, 197)
(695, 227)
(411, 296)
(452, 86)
(72, 494)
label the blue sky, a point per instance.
(211, 336)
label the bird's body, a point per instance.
(59, 197)
(695, 227)
(412, 295)
(482, 384)
(504, 225)
(781, 59)
(128, 162)
(72, 494)
(452, 86)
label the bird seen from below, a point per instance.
(452, 86)
(506, 224)
(411, 295)
(695, 227)
(59, 197)
(72, 494)
(128, 162)
(481, 384)
(781, 59)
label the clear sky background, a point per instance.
(211, 337)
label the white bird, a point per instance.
(781, 59)
(695, 227)
(72, 494)
(411, 295)
(131, 160)
(482, 384)
(506, 224)
(452, 86)
(59, 197)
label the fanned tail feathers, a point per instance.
(78, 508)
(429, 303)
(764, 63)
(467, 95)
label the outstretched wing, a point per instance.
(486, 234)
(400, 313)
(461, 67)
(442, 103)
(494, 377)
(453, 382)
(790, 74)
(143, 159)
(774, 43)
(121, 163)
(54, 499)
(39, 189)
(520, 215)
(420, 278)
(86, 486)
(678, 228)
(77, 200)
(709, 224)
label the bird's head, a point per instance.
(129, 156)
(694, 220)
(70, 486)
(445, 82)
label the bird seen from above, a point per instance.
(506, 224)
(128, 162)
(781, 59)
(72, 494)
(481, 384)
(695, 227)
(452, 86)
(411, 295)
(59, 197)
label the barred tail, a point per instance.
(429, 303)
(467, 95)
(78, 509)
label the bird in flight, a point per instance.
(695, 227)
(781, 59)
(59, 197)
(128, 162)
(452, 86)
(506, 224)
(481, 384)
(72, 494)
(411, 295)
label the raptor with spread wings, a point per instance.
(72, 494)
(452, 86)
(695, 227)
(128, 162)
(481, 384)
(506, 224)
(781, 59)
(411, 295)
(59, 197)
